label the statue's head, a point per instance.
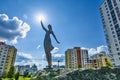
(50, 27)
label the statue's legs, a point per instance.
(49, 59)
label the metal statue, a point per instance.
(48, 47)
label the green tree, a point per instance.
(25, 74)
(79, 66)
(11, 72)
(17, 76)
(29, 75)
(109, 65)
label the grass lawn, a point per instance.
(20, 78)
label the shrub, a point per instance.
(17, 76)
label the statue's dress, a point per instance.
(47, 42)
(48, 46)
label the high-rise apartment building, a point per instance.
(84, 58)
(76, 58)
(7, 58)
(68, 54)
(110, 14)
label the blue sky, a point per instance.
(74, 22)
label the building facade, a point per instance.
(22, 69)
(7, 58)
(78, 62)
(110, 14)
(68, 54)
(99, 60)
(84, 58)
(33, 69)
(76, 58)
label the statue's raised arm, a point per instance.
(43, 26)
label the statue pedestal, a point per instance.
(48, 69)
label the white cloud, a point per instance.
(102, 48)
(58, 55)
(93, 51)
(25, 55)
(55, 50)
(27, 59)
(38, 46)
(12, 29)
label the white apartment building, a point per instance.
(7, 58)
(110, 14)
(84, 58)
(74, 61)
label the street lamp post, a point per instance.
(58, 62)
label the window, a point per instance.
(119, 38)
(106, 60)
(116, 44)
(3, 55)
(6, 47)
(105, 3)
(109, 21)
(114, 2)
(2, 61)
(111, 28)
(113, 32)
(117, 49)
(115, 20)
(106, 8)
(114, 36)
(109, 18)
(110, 24)
(119, 53)
(5, 50)
(110, 51)
(110, 4)
(102, 19)
(117, 9)
(116, 27)
(94, 61)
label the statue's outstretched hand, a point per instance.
(41, 22)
